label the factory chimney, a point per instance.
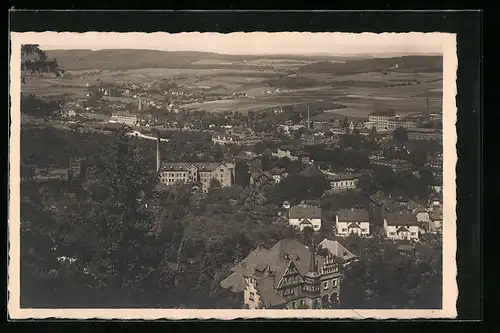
(140, 104)
(308, 118)
(158, 158)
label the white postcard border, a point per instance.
(447, 43)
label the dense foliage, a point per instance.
(113, 241)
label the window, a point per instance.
(301, 302)
(334, 283)
(288, 292)
(251, 296)
(293, 305)
(344, 229)
(413, 233)
(364, 230)
(392, 233)
(325, 285)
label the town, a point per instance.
(137, 193)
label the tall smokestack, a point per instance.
(140, 105)
(308, 118)
(158, 158)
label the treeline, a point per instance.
(405, 64)
(35, 106)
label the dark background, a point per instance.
(467, 25)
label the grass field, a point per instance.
(360, 85)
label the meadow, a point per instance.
(361, 85)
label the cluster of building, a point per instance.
(77, 170)
(292, 155)
(425, 134)
(396, 218)
(396, 165)
(290, 276)
(239, 139)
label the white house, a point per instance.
(352, 221)
(302, 216)
(341, 182)
(401, 225)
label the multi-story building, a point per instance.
(352, 222)
(302, 216)
(425, 134)
(199, 173)
(125, 118)
(401, 225)
(342, 182)
(288, 276)
(388, 121)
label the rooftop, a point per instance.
(303, 211)
(337, 249)
(311, 171)
(402, 218)
(353, 215)
(274, 261)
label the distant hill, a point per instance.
(420, 63)
(134, 59)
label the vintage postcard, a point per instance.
(242, 175)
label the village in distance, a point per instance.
(155, 179)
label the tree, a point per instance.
(400, 134)
(34, 62)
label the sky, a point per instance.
(249, 43)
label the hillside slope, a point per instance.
(404, 64)
(134, 59)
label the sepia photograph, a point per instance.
(240, 175)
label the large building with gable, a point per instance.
(288, 276)
(197, 173)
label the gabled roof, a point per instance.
(305, 222)
(337, 249)
(353, 215)
(267, 293)
(303, 212)
(276, 259)
(311, 171)
(402, 218)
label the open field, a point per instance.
(404, 84)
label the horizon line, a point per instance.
(325, 54)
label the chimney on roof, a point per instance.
(308, 118)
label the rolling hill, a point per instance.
(135, 59)
(421, 63)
